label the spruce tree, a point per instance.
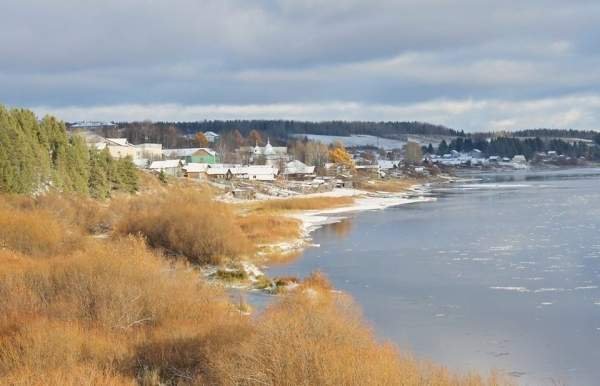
(98, 182)
(79, 164)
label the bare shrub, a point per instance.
(187, 222)
(35, 233)
(269, 228)
(77, 211)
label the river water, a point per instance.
(502, 272)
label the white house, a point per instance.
(195, 170)
(298, 169)
(252, 172)
(387, 164)
(149, 151)
(519, 159)
(171, 167)
(117, 147)
(211, 136)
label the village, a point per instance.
(245, 171)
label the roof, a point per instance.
(168, 164)
(261, 169)
(298, 167)
(241, 170)
(387, 164)
(149, 145)
(118, 141)
(195, 167)
(187, 152)
(211, 134)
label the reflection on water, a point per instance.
(503, 271)
(340, 229)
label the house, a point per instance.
(192, 155)
(195, 170)
(261, 173)
(149, 151)
(476, 153)
(519, 159)
(252, 172)
(211, 136)
(117, 147)
(298, 170)
(387, 164)
(219, 173)
(367, 169)
(170, 167)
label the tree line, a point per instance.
(39, 155)
(172, 134)
(509, 147)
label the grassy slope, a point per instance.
(75, 309)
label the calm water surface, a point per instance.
(502, 272)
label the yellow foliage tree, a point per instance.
(339, 155)
(201, 139)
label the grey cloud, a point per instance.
(300, 52)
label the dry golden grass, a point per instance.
(76, 211)
(36, 233)
(187, 222)
(114, 312)
(103, 314)
(264, 228)
(390, 186)
(303, 203)
(73, 211)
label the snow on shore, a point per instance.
(314, 219)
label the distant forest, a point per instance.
(556, 133)
(281, 129)
(509, 147)
(504, 143)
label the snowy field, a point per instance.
(356, 140)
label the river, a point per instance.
(501, 271)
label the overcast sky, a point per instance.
(467, 64)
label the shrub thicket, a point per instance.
(113, 312)
(187, 222)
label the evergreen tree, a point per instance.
(58, 145)
(98, 183)
(16, 158)
(34, 155)
(128, 177)
(162, 177)
(442, 148)
(79, 165)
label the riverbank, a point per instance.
(249, 274)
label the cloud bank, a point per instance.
(467, 63)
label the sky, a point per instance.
(467, 64)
